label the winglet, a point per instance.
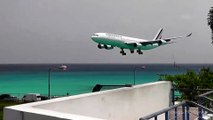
(189, 35)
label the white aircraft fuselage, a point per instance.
(109, 41)
(119, 41)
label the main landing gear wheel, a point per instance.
(122, 52)
(139, 52)
(131, 51)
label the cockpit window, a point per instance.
(96, 35)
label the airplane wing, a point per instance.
(172, 38)
(164, 40)
(146, 42)
(158, 41)
(133, 43)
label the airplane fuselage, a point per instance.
(119, 41)
(109, 41)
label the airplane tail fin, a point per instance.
(159, 34)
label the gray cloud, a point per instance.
(58, 31)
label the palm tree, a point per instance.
(210, 20)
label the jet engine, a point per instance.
(100, 46)
(108, 47)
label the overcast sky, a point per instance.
(59, 31)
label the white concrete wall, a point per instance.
(119, 104)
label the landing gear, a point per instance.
(122, 52)
(139, 52)
(105, 46)
(132, 51)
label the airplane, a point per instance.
(109, 41)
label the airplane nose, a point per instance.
(94, 36)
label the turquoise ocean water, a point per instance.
(80, 78)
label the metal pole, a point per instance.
(187, 112)
(176, 113)
(166, 115)
(62, 67)
(200, 116)
(134, 75)
(49, 70)
(183, 111)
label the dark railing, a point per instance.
(187, 109)
(165, 112)
(174, 112)
(175, 97)
(206, 99)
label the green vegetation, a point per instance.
(210, 20)
(189, 83)
(4, 104)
